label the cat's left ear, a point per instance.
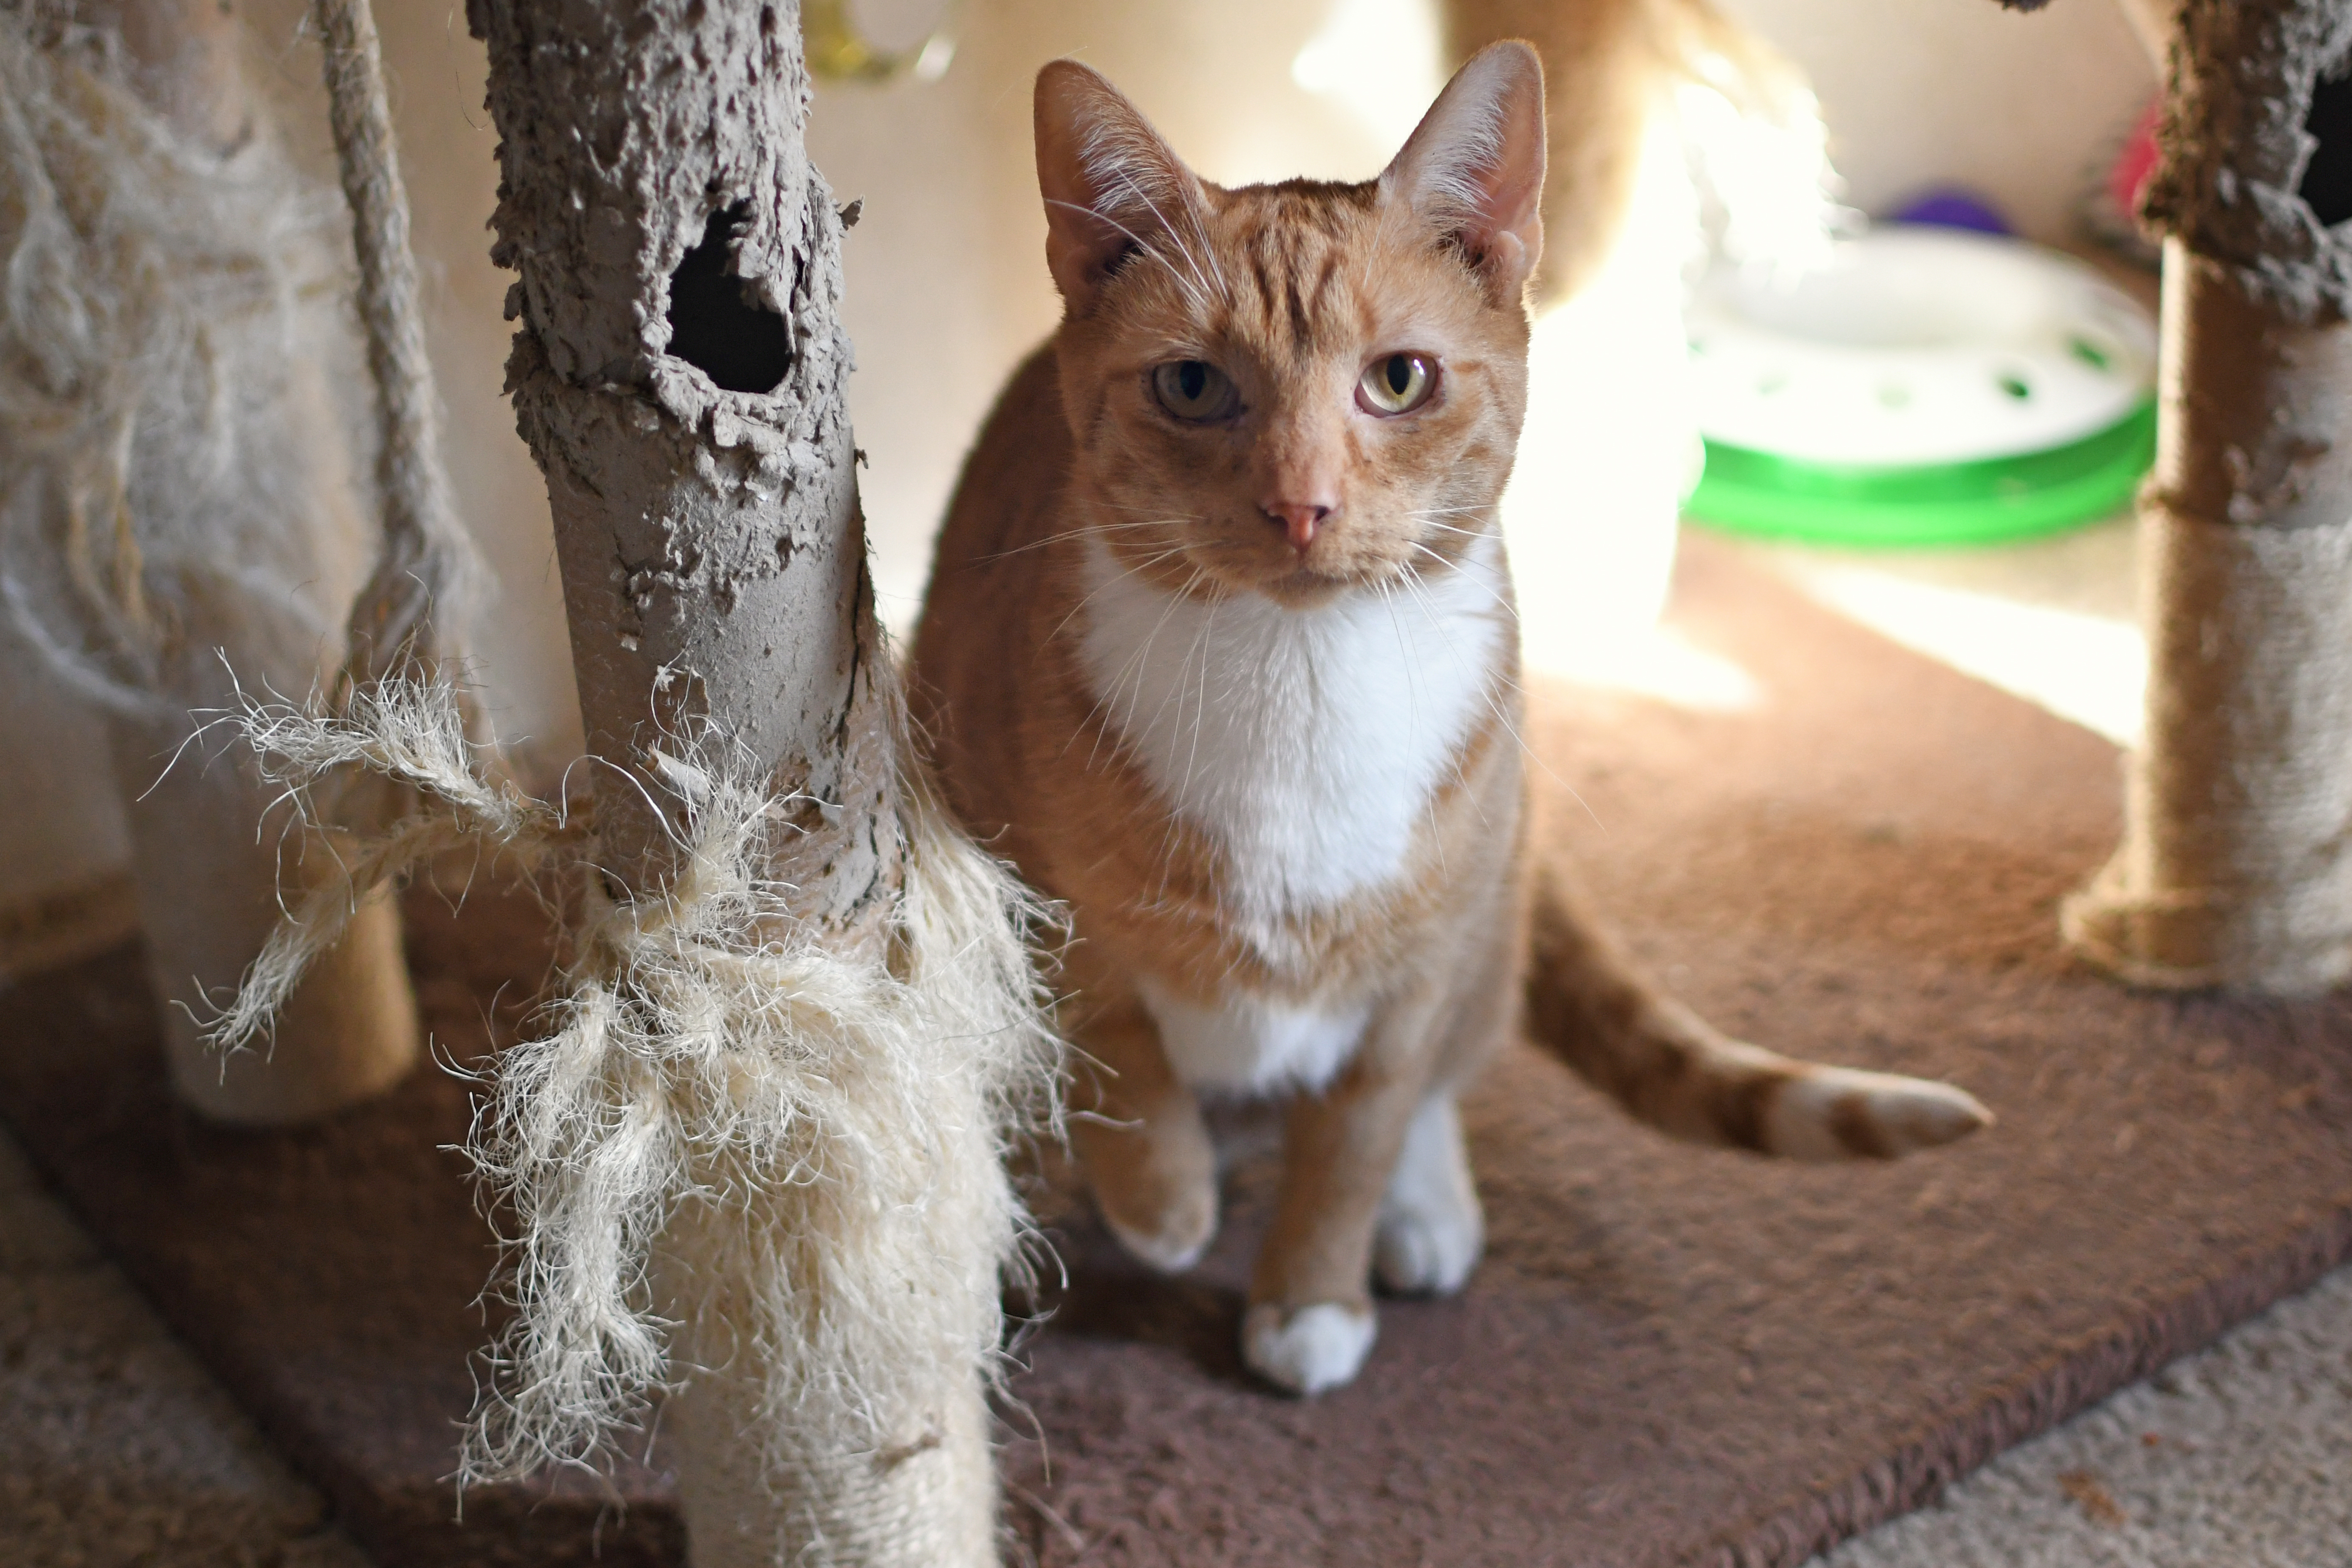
(1474, 168)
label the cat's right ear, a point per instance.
(1112, 186)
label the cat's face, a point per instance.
(1300, 389)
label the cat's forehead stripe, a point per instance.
(1297, 239)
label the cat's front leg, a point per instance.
(1310, 1320)
(1431, 1229)
(1139, 1134)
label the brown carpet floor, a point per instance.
(1671, 1356)
(330, 1277)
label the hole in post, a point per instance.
(2327, 186)
(715, 323)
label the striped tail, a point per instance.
(1588, 1005)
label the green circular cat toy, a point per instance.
(1921, 387)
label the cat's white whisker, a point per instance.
(1429, 521)
(1387, 591)
(1143, 247)
(1168, 842)
(1122, 506)
(1100, 710)
(1102, 704)
(1145, 564)
(1191, 258)
(1495, 704)
(1200, 696)
(1503, 604)
(1412, 584)
(1053, 539)
(1141, 661)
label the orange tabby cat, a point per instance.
(1220, 651)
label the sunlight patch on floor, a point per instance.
(2050, 620)
(2081, 668)
(1657, 662)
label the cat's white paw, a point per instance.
(1173, 1246)
(1431, 1229)
(1427, 1251)
(1308, 1351)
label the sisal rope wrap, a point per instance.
(2239, 869)
(719, 1094)
(2236, 864)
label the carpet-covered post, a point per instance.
(761, 1158)
(2236, 865)
(177, 501)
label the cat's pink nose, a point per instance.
(1301, 520)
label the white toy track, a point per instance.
(1867, 396)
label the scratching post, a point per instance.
(2236, 865)
(178, 502)
(757, 1160)
(209, 892)
(803, 1016)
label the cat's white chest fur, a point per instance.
(1305, 742)
(1250, 1046)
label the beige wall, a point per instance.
(2021, 105)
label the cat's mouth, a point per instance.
(1293, 579)
(1309, 583)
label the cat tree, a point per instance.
(663, 219)
(2236, 865)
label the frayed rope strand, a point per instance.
(410, 734)
(838, 1123)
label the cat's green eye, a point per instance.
(1396, 384)
(1193, 389)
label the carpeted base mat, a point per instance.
(328, 1277)
(1670, 1355)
